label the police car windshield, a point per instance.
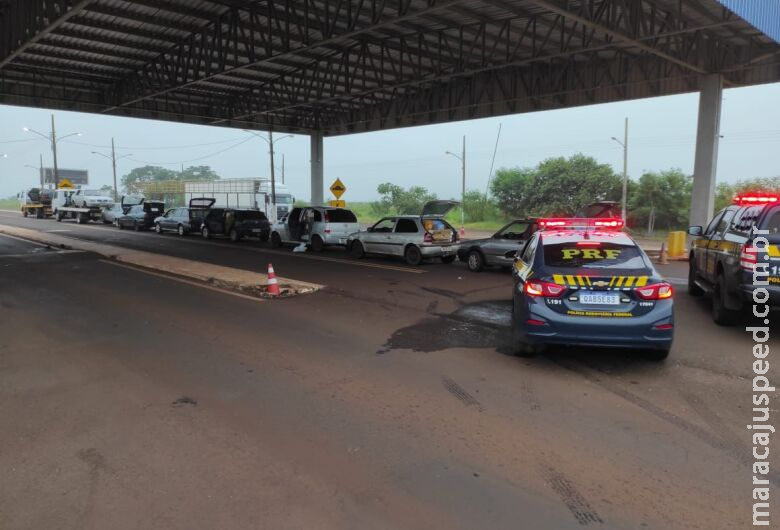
(592, 255)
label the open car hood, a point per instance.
(202, 202)
(437, 208)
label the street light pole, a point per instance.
(273, 172)
(624, 144)
(54, 151)
(113, 164)
(462, 159)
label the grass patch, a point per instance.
(9, 204)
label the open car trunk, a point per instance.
(202, 202)
(432, 218)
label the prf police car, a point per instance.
(585, 282)
(721, 260)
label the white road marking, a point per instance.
(181, 280)
(354, 263)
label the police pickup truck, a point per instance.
(723, 257)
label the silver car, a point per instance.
(413, 237)
(499, 249)
(112, 213)
(90, 198)
(317, 226)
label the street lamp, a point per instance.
(113, 159)
(462, 159)
(270, 141)
(54, 140)
(624, 145)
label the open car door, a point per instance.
(202, 202)
(128, 201)
(437, 208)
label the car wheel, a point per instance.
(474, 261)
(356, 250)
(234, 237)
(24, 212)
(520, 348)
(58, 217)
(205, 232)
(180, 231)
(276, 240)
(721, 315)
(412, 255)
(158, 228)
(317, 244)
(693, 289)
(447, 259)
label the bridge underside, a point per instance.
(361, 65)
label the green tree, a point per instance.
(477, 206)
(395, 199)
(133, 182)
(660, 199)
(557, 186)
(199, 173)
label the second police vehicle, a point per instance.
(723, 255)
(583, 281)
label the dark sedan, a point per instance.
(235, 224)
(140, 216)
(500, 248)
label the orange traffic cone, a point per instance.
(272, 286)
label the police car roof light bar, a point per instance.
(748, 199)
(614, 223)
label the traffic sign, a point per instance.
(65, 183)
(338, 188)
(337, 204)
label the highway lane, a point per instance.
(386, 403)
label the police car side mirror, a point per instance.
(695, 230)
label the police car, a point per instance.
(583, 281)
(721, 261)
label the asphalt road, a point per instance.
(383, 401)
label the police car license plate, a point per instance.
(592, 298)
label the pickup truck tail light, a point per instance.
(748, 258)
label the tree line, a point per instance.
(560, 186)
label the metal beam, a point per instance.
(48, 16)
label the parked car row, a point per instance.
(412, 237)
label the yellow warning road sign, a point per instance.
(338, 188)
(65, 183)
(337, 204)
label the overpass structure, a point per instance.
(327, 67)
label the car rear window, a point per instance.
(250, 215)
(772, 224)
(341, 216)
(595, 256)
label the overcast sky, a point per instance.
(661, 136)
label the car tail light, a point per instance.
(543, 289)
(748, 258)
(656, 291)
(427, 237)
(327, 230)
(588, 243)
(534, 322)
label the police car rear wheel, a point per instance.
(518, 348)
(721, 315)
(693, 289)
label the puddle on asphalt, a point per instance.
(479, 325)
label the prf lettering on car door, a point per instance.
(591, 253)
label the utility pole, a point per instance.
(41, 172)
(624, 144)
(54, 151)
(273, 173)
(282, 168)
(113, 164)
(625, 171)
(462, 159)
